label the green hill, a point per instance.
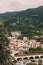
(29, 22)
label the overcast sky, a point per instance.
(16, 5)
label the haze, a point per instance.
(17, 5)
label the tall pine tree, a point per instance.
(4, 47)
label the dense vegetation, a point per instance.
(29, 22)
(35, 50)
(31, 63)
(40, 62)
(4, 48)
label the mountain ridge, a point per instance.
(29, 22)
(23, 11)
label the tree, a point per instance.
(40, 62)
(31, 50)
(4, 47)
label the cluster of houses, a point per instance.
(21, 46)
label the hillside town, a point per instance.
(19, 47)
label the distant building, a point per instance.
(15, 34)
(34, 44)
(21, 46)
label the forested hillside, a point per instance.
(29, 22)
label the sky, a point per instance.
(18, 5)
